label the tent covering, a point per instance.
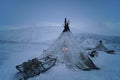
(100, 47)
(69, 51)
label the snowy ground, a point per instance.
(17, 46)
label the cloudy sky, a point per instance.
(92, 16)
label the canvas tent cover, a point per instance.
(69, 51)
(100, 47)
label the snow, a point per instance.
(12, 54)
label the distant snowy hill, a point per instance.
(113, 39)
(30, 34)
(43, 33)
(91, 40)
(19, 45)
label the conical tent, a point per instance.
(69, 51)
(100, 47)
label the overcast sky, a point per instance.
(92, 16)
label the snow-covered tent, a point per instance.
(69, 51)
(101, 47)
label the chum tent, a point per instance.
(68, 50)
(101, 47)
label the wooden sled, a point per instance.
(35, 67)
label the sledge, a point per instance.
(93, 54)
(110, 51)
(35, 67)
